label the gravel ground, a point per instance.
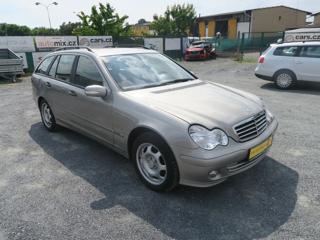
(66, 186)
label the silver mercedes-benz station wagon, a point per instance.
(176, 128)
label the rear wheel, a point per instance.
(47, 116)
(284, 79)
(155, 162)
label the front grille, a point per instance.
(251, 127)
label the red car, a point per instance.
(200, 50)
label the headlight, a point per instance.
(269, 116)
(207, 139)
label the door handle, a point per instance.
(72, 93)
(48, 84)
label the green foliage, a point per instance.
(103, 21)
(67, 28)
(42, 31)
(177, 20)
(14, 30)
(85, 31)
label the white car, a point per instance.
(288, 63)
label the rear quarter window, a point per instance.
(43, 67)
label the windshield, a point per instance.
(135, 71)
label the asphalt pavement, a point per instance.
(65, 186)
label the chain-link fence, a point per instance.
(245, 42)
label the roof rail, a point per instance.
(70, 48)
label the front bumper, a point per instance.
(195, 165)
(195, 56)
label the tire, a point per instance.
(47, 116)
(154, 162)
(285, 79)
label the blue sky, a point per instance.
(27, 13)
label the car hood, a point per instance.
(201, 102)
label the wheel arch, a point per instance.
(137, 132)
(39, 101)
(285, 69)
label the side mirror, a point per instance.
(95, 91)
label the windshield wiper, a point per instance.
(176, 81)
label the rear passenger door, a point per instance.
(42, 81)
(308, 63)
(90, 114)
(58, 84)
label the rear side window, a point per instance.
(43, 67)
(87, 73)
(286, 51)
(64, 69)
(53, 69)
(310, 51)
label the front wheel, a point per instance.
(47, 116)
(155, 162)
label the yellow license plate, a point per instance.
(260, 148)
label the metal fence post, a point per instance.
(261, 43)
(242, 43)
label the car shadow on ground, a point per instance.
(311, 88)
(250, 205)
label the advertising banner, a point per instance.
(55, 42)
(300, 37)
(18, 44)
(154, 43)
(24, 57)
(38, 56)
(96, 41)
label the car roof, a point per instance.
(108, 51)
(296, 44)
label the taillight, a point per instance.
(261, 59)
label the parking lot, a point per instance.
(65, 186)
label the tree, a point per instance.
(42, 31)
(67, 28)
(177, 20)
(103, 21)
(14, 30)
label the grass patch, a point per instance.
(246, 59)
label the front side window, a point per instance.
(64, 68)
(134, 71)
(310, 51)
(43, 67)
(286, 51)
(87, 73)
